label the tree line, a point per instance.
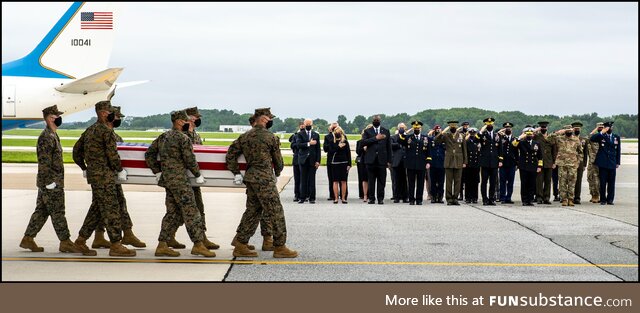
(626, 125)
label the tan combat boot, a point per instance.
(99, 241)
(235, 242)
(200, 249)
(130, 239)
(284, 252)
(69, 247)
(117, 249)
(595, 199)
(267, 243)
(28, 243)
(564, 202)
(570, 202)
(81, 242)
(210, 245)
(164, 250)
(173, 243)
(242, 250)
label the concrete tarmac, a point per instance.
(344, 242)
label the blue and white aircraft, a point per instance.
(68, 68)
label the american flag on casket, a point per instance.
(210, 159)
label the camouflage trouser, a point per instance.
(181, 208)
(125, 219)
(567, 181)
(266, 229)
(593, 177)
(105, 208)
(263, 201)
(197, 193)
(49, 202)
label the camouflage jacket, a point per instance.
(261, 149)
(97, 148)
(570, 151)
(592, 150)
(194, 137)
(50, 166)
(584, 142)
(172, 154)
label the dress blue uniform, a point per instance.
(607, 160)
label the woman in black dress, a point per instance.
(340, 163)
(363, 177)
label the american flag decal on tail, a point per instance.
(96, 20)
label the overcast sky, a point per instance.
(325, 59)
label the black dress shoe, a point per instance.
(396, 201)
(556, 199)
(491, 203)
(329, 199)
(412, 202)
(449, 203)
(433, 200)
(296, 199)
(380, 202)
(405, 201)
(610, 203)
(546, 202)
(419, 203)
(603, 203)
(312, 201)
(474, 201)
(576, 201)
(508, 201)
(455, 202)
(301, 201)
(372, 202)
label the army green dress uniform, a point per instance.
(584, 141)
(570, 155)
(171, 154)
(261, 150)
(593, 176)
(543, 180)
(50, 183)
(455, 159)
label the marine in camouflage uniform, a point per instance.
(129, 238)
(169, 156)
(593, 176)
(50, 183)
(261, 150)
(103, 168)
(584, 141)
(568, 160)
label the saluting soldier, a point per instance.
(464, 129)
(50, 183)
(593, 176)
(435, 165)
(607, 160)
(529, 162)
(416, 152)
(584, 141)
(261, 149)
(490, 160)
(103, 168)
(471, 173)
(509, 154)
(570, 155)
(543, 181)
(455, 160)
(169, 157)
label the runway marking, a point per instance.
(265, 262)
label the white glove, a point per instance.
(237, 179)
(51, 186)
(122, 176)
(158, 174)
(200, 180)
(84, 173)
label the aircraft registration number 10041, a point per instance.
(80, 42)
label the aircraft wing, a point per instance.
(100, 81)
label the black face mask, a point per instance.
(464, 130)
(416, 131)
(198, 122)
(401, 130)
(507, 131)
(576, 132)
(269, 124)
(600, 129)
(490, 127)
(609, 131)
(308, 127)
(111, 117)
(58, 121)
(117, 123)
(376, 124)
(452, 130)
(338, 136)
(569, 134)
(529, 138)
(543, 130)
(185, 127)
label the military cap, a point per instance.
(528, 130)
(607, 124)
(264, 111)
(52, 110)
(179, 115)
(103, 106)
(507, 124)
(465, 123)
(473, 130)
(416, 124)
(116, 109)
(193, 112)
(452, 122)
(489, 120)
(568, 127)
(436, 127)
(576, 124)
(600, 124)
(543, 124)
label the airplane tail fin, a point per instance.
(100, 81)
(78, 45)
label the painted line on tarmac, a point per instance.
(264, 262)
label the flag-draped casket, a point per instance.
(210, 159)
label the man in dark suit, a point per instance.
(294, 163)
(415, 161)
(490, 160)
(607, 160)
(307, 143)
(529, 162)
(509, 154)
(398, 170)
(377, 159)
